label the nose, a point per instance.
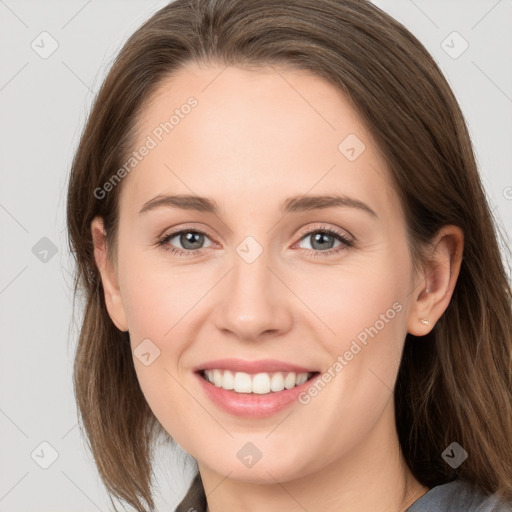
(253, 302)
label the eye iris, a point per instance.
(189, 237)
(320, 237)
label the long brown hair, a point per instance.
(455, 384)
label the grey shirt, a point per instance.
(456, 496)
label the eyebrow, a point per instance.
(290, 205)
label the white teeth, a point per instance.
(217, 378)
(301, 378)
(242, 383)
(277, 382)
(228, 380)
(260, 383)
(289, 382)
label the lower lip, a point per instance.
(252, 405)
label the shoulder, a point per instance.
(459, 495)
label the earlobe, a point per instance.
(109, 280)
(432, 296)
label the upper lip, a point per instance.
(260, 366)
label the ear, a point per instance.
(113, 299)
(437, 282)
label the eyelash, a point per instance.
(346, 242)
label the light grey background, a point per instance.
(43, 105)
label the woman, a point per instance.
(371, 374)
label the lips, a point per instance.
(253, 367)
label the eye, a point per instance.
(322, 240)
(191, 241)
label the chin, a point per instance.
(267, 470)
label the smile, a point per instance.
(258, 394)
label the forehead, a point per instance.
(246, 135)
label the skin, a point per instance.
(255, 138)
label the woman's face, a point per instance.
(256, 283)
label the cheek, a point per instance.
(349, 300)
(157, 297)
(162, 303)
(158, 302)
